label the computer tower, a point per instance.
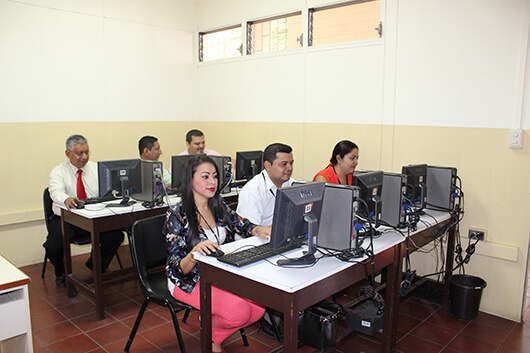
(441, 187)
(152, 189)
(224, 165)
(393, 199)
(417, 184)
(336, 230)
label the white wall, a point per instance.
(440, 63)
(96, 60)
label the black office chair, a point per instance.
(56, 227)
(149, 254)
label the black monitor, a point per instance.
(177, 168)
(248, 164)
(416, 184)
(370, 189)
(297, 211)
(120, 178)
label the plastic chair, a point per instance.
(149, 254)
(56, 227)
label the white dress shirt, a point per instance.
(63, 183)
(257, 197)
(206, 151)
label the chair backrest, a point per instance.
(148, 247)
(48, 209)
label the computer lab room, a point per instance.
(441, 82)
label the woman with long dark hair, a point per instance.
(342, 164)
(201, 223)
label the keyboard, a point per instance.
(256, 253)
(92, 200)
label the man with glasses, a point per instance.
(70, 182)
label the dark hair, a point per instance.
(193, 132)
(146, 142)
(342, 148)
(216, 203)
(270, 152)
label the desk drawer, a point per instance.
(13, 311)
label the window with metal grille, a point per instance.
(220, 44)
(346, 22)
(274, 34)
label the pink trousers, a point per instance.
(229, 311)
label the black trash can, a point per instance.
(465, 294)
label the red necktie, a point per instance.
(81, 194)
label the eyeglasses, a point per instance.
(80, 154)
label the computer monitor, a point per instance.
(441, 187)
(248, 164)
(370, 189)
(224, 164)
(336, 228)
(120, 178)
(297, 211)
(417, 184)
(177, 168)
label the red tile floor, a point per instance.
(61, 324)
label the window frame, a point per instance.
(270, 19)
(312, 10)
(226, 28)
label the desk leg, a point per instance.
(449, 266)
(290, 328)
(206, 312)
(97, 271)
(392, 302)
(67, 256)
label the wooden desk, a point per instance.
(292, 290)
(15, 320)
(97, 222)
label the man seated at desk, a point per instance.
(69, 183)
(196, 144)
(257, 197)
(150, 150)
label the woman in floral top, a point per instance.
(201, 223)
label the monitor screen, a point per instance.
(297, 210)
(370, 189)
(177, 168)
(417, 183)
(120, 177)
(248, 164)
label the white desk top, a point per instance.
(293, 279)
(10, 275)
(99, 210)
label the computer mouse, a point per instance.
(80, 206)
(217, 253)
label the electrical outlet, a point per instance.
(477, 234)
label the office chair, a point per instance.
(56, 227)
(149, 254)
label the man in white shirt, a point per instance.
(69, 183)
(150, 150)
(257, 197)
(196, 144)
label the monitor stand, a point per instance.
(309, 257)
(125, 201)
